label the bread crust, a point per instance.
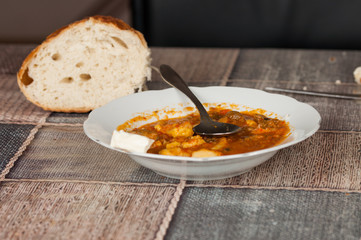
(98, 18)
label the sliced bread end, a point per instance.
(85, 65)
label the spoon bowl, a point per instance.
(207, 126)
(215, 128)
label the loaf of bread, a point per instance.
(85, 65)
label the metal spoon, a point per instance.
(206, 126)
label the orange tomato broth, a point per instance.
(174, 136)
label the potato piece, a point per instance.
(193, 141)
(251, 123)
(157, 144)
(174, 152)
(158, 127)
(221, 144)
(173, 145)
(205, 153)
(184, 129)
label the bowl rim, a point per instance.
(244, 156)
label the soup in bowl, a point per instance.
(269, 122)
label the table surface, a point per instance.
(55, 183)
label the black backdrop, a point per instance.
(322, 24)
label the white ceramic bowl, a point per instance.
(303, 118)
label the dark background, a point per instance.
(321, 24)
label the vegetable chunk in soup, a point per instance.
(175, 136)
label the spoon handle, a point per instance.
(171, 77)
